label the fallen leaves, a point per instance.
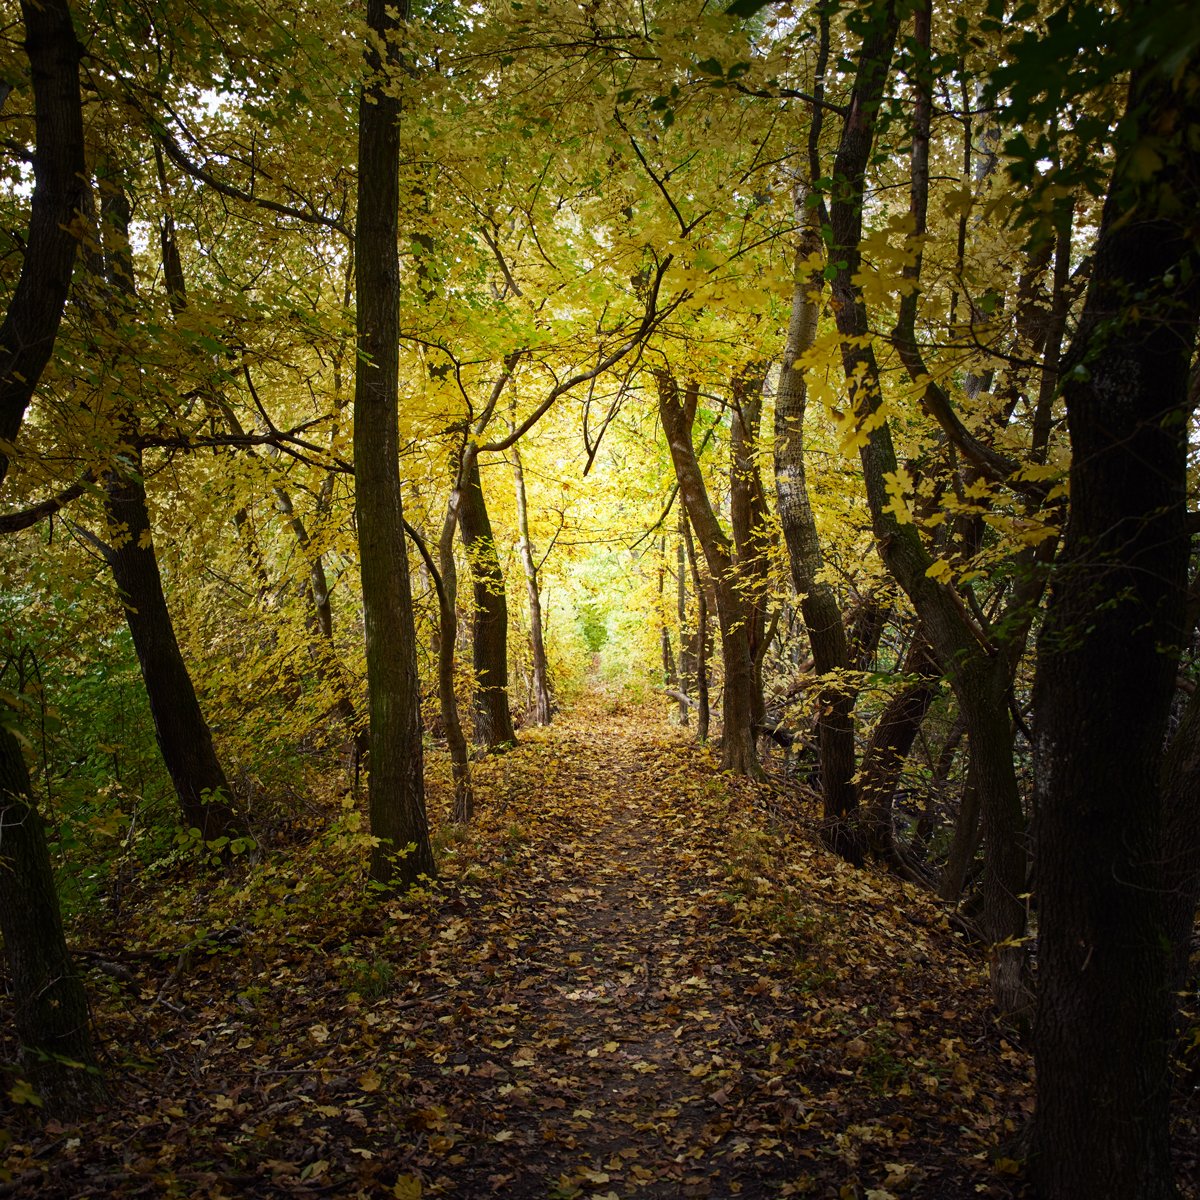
(629, 983)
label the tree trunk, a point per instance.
(977, 672)
(183, 735)
(738, 751)
(1106, 669)
(1180, 781)
(890, 744)
(396, 786)
(686, 660)
(541, 686)
(489, 643)
(748, 518)
(30, 326)
(50, 1007)
(460, 764)
(703, 641)
(184, 738)
(818, 605)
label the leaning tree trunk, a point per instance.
(184, 738)
(493, 717)
(395, 784)
(183, 735)
(1107, 659)
(738, 751)
(977, 672)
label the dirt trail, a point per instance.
(630, 982)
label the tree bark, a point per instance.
(460, 764)
(30, 326)
(819, 607)
(748, 517)
(703, 641)
(976, 670)
(890, 744)
(738, 751)
(184, 738)
(1107, 659)
(541, 684)
(489, 643)
(396, 787)
(50, 1007)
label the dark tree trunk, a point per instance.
(30, 326)
(489, 643)
(184, 738)
(1180, 781)
(977, 672)
(818, 605)
(738, 751)
(1106, 669)
(891, 741)
(396, 785)
(50, 1007)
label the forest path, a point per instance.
(636, 978)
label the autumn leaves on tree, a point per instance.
(333, 346)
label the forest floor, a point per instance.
(636, 978)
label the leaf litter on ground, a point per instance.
(635, 977)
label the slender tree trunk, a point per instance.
(321, 625)
(396, 786)
(964, 844)
(890, 744)
(460, 764)
(748, 519)
(1107, 659)
(541, 686)
(687, 665)
(703, 641)
(738, 751)
(819, 606)
(489, 643)
(977, 672)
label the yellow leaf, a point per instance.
(940, 571)
(407, 1187)
(369, 1080)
